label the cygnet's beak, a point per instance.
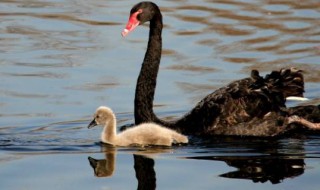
(92, 124)
(93, 162)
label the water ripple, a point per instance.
(61, 59)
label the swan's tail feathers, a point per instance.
(178, 138)
(287, 81)
(310, 112)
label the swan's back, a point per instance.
(150, 134)
(230, 110)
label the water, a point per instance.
(61, 59)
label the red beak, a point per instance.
(132, 24)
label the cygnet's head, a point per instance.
(102, 115)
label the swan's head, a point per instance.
(139, 14)
(102, 115)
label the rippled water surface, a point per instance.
(60, 59)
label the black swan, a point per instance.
(142, 134)
(253, 106)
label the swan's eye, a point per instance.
(139, 14)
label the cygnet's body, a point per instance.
(143, 134)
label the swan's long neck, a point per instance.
(109, 132)
(146, 85)
(147, 79)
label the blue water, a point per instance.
(62, 59)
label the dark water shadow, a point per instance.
(258, 160)
(263, 169)
(145, 173)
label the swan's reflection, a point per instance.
(276, 162)
(145, 172)
(262, 170)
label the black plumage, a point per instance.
(254, 106)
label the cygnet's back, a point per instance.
(150, 134)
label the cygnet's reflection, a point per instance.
(104, 167)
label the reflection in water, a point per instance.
(278, 161)
(261, 169)
(143, 165)
(258, 160)
(145, 172)
(104, 167)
